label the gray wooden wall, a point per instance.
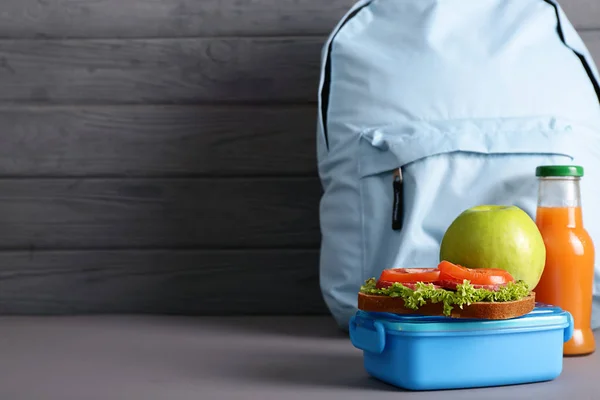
(158, 155)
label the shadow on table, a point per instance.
(309, 370)
(346, 371)
(306, 327)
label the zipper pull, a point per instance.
(398, 201)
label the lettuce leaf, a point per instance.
(465, 294)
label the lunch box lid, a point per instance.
(542, 317)
(369, 330)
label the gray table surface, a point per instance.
(137, 357)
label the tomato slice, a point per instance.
(477, 276)
(410, 275)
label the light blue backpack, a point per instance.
(428, 107)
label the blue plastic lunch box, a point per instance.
(432, 353)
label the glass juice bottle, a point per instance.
(568, 277)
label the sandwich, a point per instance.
(449, 290)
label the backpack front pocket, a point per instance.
(415, 179)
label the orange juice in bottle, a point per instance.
(567, 280)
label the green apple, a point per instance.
(495, 236)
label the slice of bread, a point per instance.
(481, 310)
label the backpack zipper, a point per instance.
(398, 208)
